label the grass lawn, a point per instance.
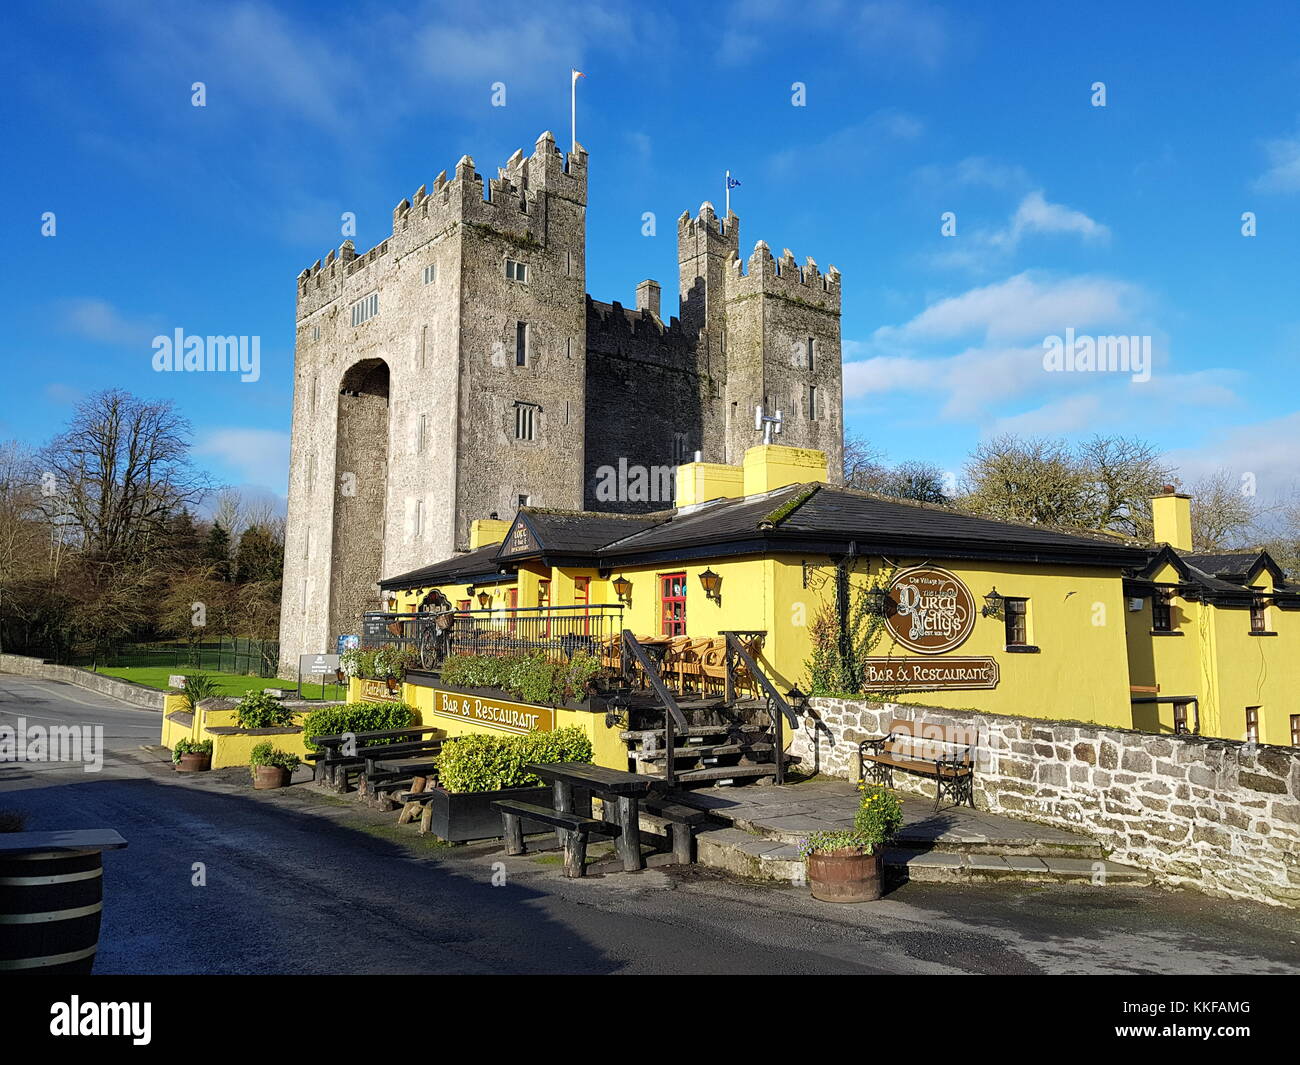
(231, 685)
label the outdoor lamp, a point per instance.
(484, 598)
(623, 589)
(876, 598)
(392, 604)
(798, 700)
(993, 603)
(712, 585)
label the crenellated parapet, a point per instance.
(764, 274)
(511, 205)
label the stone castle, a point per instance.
(459, 370)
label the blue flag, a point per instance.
(732, 183)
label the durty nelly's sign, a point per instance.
(929, 674)
(929, 610)
(494, 713)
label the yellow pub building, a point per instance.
(928, 604)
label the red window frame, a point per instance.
(582, 598)
(672, 604)
(512, 606)
(544, 603)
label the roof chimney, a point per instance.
(1171, 518)
(647, 297)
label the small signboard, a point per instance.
(317, 665)
(957, 673)
(376, 691)
(176, 680)
(347, 643)
(497, 714)
(929, 610)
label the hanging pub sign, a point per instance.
(929, 674)
(521, 539)
(494, 713)
(929, 610)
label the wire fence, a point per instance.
(247, 657)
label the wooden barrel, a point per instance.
(845, 876)
(51, 898)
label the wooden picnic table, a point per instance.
(621, 793)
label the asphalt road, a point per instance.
(299, 881)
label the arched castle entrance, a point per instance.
(360, 472)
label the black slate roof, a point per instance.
(819, 516)
(477, 565)
(572, 532)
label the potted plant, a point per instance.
(270, 768)
(192, 756)
(846, 865)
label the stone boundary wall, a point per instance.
(1220, 816)
(135, 694)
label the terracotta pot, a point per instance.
(845, 875)
(194, 763)
(269, 776)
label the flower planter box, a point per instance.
(459, 817)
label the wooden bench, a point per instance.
(675, 821)
(574, 829)
(332, 766)
(945, 754)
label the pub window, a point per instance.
(812, 403)
(811, 354)
(1180, 719)
(525, 424)
(1252, 724)
(543, 604)
(516, 271)
(1017, 616)
(462, 605)
(1162, 612)
(521, 343)
(1295, 730)
(1258, 615)
(365, 308)
(431, 273)
(672, 604)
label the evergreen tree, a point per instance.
(216, 553)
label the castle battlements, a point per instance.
(764, 274)
(510, 206)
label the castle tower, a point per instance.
(438, 377)
(782, 325)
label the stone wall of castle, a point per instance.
(1217, 815)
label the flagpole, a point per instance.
(728, 201)
(573, 105)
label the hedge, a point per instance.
(355, 717)
(483, 761)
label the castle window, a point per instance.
(523, 499)
(421, 434)
(521, 343)
(812, 403)
(365, 308)
(525, 425)
(811, 353)
(431, 273)
(1252, 724)
(424, 343)
(568, 264)
(681, 448)
(315, 332)
(516, 271)
(419, 518)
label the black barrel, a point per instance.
(51, 898)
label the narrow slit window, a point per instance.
(521, 343)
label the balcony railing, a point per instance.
(558, 632)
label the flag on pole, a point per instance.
(732, 183)
(573, 104)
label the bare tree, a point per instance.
(1124, 473)
(865, 468)
(1223, 515)
(1034, 480)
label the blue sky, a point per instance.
(1123, 219)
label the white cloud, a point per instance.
(1036, 215)
(100, 321)
(259, 455)
(1283, 173)
(1269, 450)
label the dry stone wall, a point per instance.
(1219, 816)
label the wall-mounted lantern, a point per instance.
(392, 604)
(469, 590)
(877, 600)
(712, 583)
(994, 603)
(798, 700)
(623, 589)
(484, 599)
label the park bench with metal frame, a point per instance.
(949, 761)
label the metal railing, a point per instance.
(557, 632)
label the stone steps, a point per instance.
(757, 857)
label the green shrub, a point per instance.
(879, 816)
(198, 686)
(489, 762)
(259, 710)
(355, 717)
(378, 663)
(187, 746)
(265, 754)
(531, 678)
